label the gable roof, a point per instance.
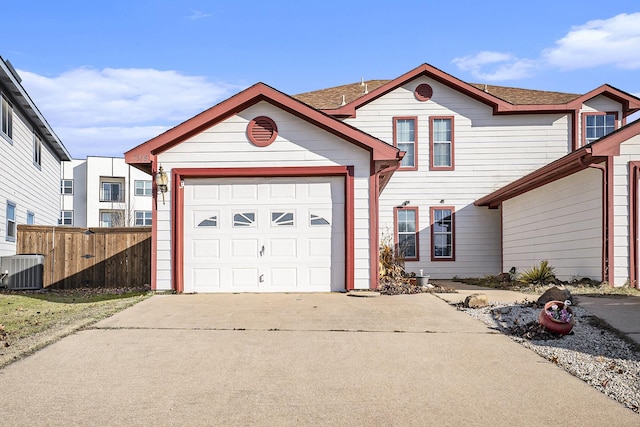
(142, 155)
(576, 161)
(10, 80)
(502, 99)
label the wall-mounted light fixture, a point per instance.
(161, 182)
(405, 203)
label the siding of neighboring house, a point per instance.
(629, 151)
(490, 152)
(299, 143)
(30, 187)
(561, 222)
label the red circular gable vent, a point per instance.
(424, 92)
(262, 131)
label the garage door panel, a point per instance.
(285, 277)
(243, 248)
(282, 191)
(245, 277)
(206, 279)
(319, 247)
(206, 249)
(283, 248)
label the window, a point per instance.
(66, 186)
(597, 125)
(279, 219)
(112, 219)
(244, 219)
(37, 150)
(66, 218)
(143, 188)
(6, 118)
(442, 226)
(143, 218)
(405, 137)
(111, 192)
(441, 143)
(11, 221)
(407, 232)
(31, 218)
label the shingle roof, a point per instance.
(331, 98)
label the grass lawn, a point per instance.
(30, 320)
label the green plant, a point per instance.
(542, 274)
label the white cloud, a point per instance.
(614, 41)
(107, 112)
(198, 14)
(496, 66)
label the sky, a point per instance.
(110, 75)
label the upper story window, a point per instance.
(6, 117)
(31, 218)
(441, 143)
(111, 192)
(11, 221)
(597, 125)
(404, 137)
(406, 220)
(66, 186)
(143, 188)
(37, 150)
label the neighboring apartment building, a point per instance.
(30, 159)
(104, 192)
(269, 192)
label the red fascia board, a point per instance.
(630, 103)
(259, 92)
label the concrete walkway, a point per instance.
(296, 359)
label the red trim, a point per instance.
(417, 232)
(141, 155)
(616, 125)
(634, 186)
(178, 207)
(415, 142)
(431, 152)
(374, 230)
(453, 232)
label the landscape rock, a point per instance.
(554, 294)
(476, 301)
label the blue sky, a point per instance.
(111, 75)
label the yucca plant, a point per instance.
(542, 274)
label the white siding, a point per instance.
(490, 152)
(32, 188)
(298, 144)
(629, 151)
(560, 222)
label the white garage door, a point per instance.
(264, 234)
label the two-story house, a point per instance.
(269, 192)
(104, 192)
(31, 155)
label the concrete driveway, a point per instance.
(295, 359)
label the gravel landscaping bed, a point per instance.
(593, 352)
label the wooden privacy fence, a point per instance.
(76, 257)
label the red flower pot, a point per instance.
(555, 325)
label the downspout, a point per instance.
(607, 261)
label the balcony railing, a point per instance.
(112, 195)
